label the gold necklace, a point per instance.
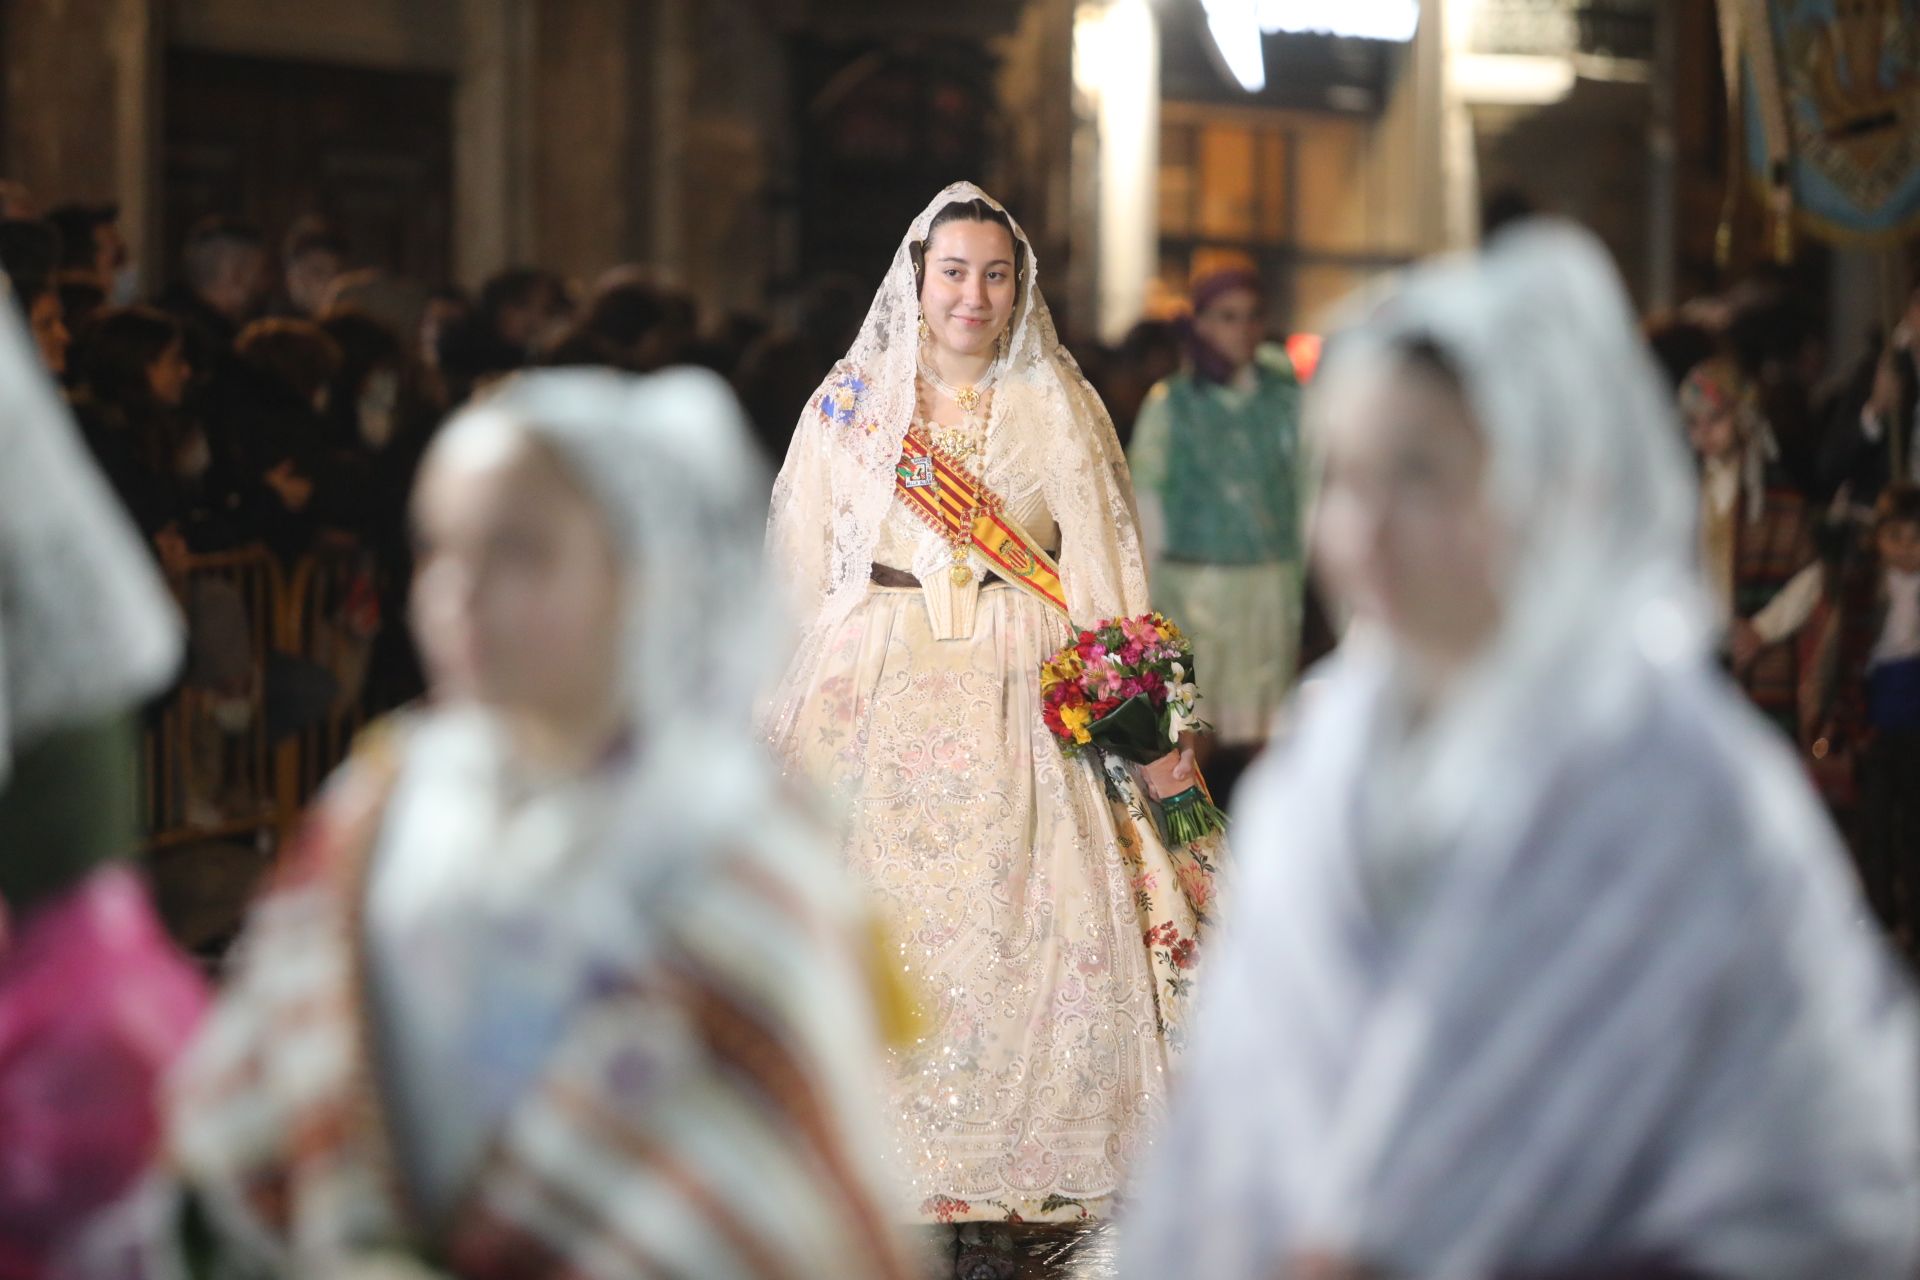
(957, 442)
(968, 398)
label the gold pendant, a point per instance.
(967, 398)
(962, 575)
(955, 445)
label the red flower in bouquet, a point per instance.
(1109, 666)
(1126, 687)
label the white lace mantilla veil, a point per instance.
(1047, 427)
(86, 624)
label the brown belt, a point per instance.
(888, 576)
(885, 575)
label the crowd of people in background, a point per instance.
(1809, 533)
(281, 395)
(281, 399)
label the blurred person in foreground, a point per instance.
(559, 980)
(1546, 961)
(94, 1001)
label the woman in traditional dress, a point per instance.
(1547, 961)
(558, 982)
(95, 1002)
(954, 502)
(1216, 459)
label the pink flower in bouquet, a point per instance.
(1124, 688)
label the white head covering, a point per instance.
(669, 459)
(86, 625)
(1759, 450)
(1588, 472)
(492, 897)
(1621, 1006)
(1046, 427)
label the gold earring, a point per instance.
(1000, 344)
(925, 332)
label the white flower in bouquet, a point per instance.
(1182, 697)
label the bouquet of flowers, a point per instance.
(1126, 689)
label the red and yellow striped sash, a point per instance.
(944, 496)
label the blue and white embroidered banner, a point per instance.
(1832, 111)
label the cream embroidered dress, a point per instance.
(1051, 934)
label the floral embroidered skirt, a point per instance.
(1050, 935)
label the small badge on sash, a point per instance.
(916, 472)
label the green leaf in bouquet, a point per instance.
(1132, 731)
